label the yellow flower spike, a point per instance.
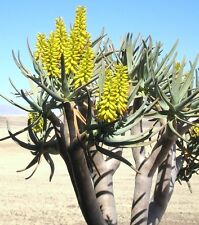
(61, 36)
(177, 66)
(194, 131)
(38, 127)
(85, 68)
(78, 42)
(114, 98)
(122, 87)
(76, 48)
(106, 107)
(51, 56)
(40, 46)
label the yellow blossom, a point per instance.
(121, 88)
(113, 101)
(38, 127)
(40, 46)
(78, 41)
(194, 131)
(85, 68)
(76, 49)
(51, 56)
(61, 36)
(177, 66)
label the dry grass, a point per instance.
(38, 202)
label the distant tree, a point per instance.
(88, 101)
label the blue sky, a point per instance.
(165, 21)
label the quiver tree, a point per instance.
(88, 101)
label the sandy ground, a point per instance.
(38, 202)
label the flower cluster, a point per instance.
(194, 131)
(49, 50)
(38, 127)
(113, 101)
(40, 46)
(85, 69)
(79, 54)
(61, 36)
(75, 47)
(177, 66)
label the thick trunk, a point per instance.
(144, 211)
(143, 179)
(164, 187)
(74, 157)
(141, 198)
(102, 175)
(86, 195)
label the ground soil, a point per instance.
(38, 202)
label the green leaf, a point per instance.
(21, 131)
(33, 105)
(17, 104)
(126, 128)
(51, 163)
(115, 141)
(32, 163)
(20, 66)
(98, 41)
(34, 169)
(21, 143)
(164, 97)
(187, 100)
(165, 59)
(142, 144)
(176, 83)
(31, 134)
(37, 66)
(51, 93)
(133, 93)
(188, 81)
(115, 156)
(170, 124)
(17, 91)
(129, 51)
(137, 113)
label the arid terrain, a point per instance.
(39, 202)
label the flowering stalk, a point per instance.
(38, 127)
(76, 49)
(113, 101)
(194, 131)
(79, 54)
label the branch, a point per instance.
(113, 163)
(138, 152)
(143, 179)
(86, 195)
(162, 147)
(166, 178)
(102, 175)
(141, 198)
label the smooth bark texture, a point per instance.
(102, 176)
(74, 157)
(141, 198)
(166, 178)
(143, 180)
(87, 198)
(163, 158)
(138, 152)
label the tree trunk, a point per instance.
(102, 176)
